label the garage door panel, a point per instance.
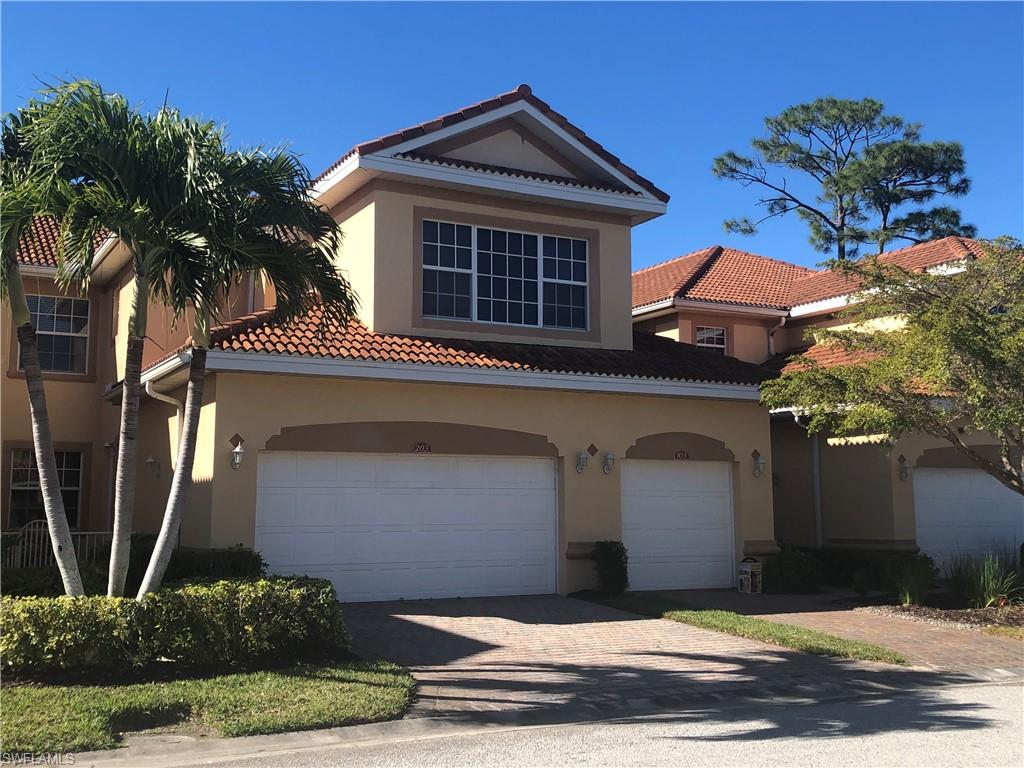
(677, 524)
(965, 511)
(383, 527)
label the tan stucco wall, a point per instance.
(745, 337)
(590, 507)
(793, 482)
(396, 263)
(73, 403)
(667, 326)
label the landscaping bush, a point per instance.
(46, 582)
(224, 623)
(863, 581)
(913, 578)
(792, 571)
(981, 582)
(874, 569)
(612, 564)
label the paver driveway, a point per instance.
(568, 658)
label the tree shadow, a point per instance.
(512, 676)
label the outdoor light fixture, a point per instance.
(238, 452)
(904, 470)
(759, 463)
(154, 466)
(609, 462)
(581, 461)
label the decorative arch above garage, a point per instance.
(680, 445)
(411, 437)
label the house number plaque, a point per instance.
(682, 455)
(421, 448)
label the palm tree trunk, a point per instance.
(182, 480)
(42, 440)
(124, 483)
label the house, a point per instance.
(489, 415)
(871, 491)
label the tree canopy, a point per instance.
(953, 362)
(854, 174)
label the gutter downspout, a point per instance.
(771, 336)
(178, 405)
(816, 482)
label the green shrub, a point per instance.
(792, 571)
(875, 569)
(863, 581)
(612, 564)
(186, 565)
(981, 582)
(912, 578)
(46, 582)
(223, 623)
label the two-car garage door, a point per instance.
(382, 527)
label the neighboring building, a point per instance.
(490, 414)
(870, 491)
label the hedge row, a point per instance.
(223, 623)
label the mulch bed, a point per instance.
(940, 611)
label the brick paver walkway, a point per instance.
(569, 658)
(924, 645)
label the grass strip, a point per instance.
(71, 718)
(774, 633)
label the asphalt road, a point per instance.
(979, 725)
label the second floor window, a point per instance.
(711, 338)
(62, 331)
(499, 276)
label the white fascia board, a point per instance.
(104, 250)
(258, 362)
(819, 307)
(729, 309)
(37, 270)
(350, 164)
(659, 306)
(511, 184)
(159, 371)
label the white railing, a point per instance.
(33, 548)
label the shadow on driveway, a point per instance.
(556, 660)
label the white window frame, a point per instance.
(724, 346)
(541, 280)
(12, 488)
(84, 334)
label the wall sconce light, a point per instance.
(238, 451)
(759, 463)
(581, 462)
(154, 466)
(609, 462)
(904, 469)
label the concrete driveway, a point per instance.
(558, 659)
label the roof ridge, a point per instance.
(694, 277)
(674, 259)
(809, 270)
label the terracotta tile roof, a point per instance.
(718, 274)
(38, 246)
(500, 170)
(522, 93)
(652, 357)
(825, 355)
(826, 284)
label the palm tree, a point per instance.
(114, 170)
(19, 201)
(253, 214)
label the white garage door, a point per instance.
(677, 524)
(382, 527)
(965, 510)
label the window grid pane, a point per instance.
(506, 265)
(565, 283)
(62, 333)
(26, 499)
(711, 338)
(447, 270)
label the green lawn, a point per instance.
(1014, 633)
(785, 635)
(70, 718)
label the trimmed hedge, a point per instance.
(46, 582)
(612, 564)
(866, 569)
(792, 571)
(223, 623)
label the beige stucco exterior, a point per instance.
(746, 337)
(222, 507)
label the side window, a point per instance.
(711, 338)
(26, 501)
(62, 330)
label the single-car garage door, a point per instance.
(965, 511)
(677, 524)
(382, 527)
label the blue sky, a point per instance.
(666, 87)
